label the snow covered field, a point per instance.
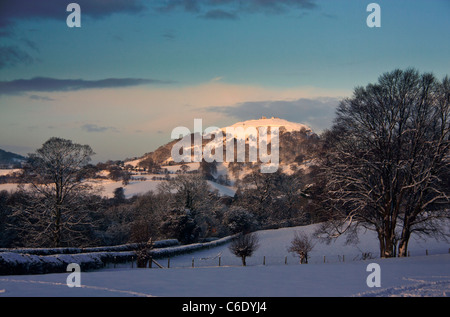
(135, 187)
(418, 275)
(415, 276)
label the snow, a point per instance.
(399, 277)
(272, 122)
(133, 188)
(10, 187)
(106, 187)
(222, 189)
(418, 275)
(4, 172)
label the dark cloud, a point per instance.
(13, 56)
(44, 84)
(13, 10)
(279, 6)
(95, 128)
(221, 8)
(186, 5)
(317, 113)
(219, 15)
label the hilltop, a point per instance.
(295, 139)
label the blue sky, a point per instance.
(136, 69)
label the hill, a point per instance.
(9, 159)
(296, 140)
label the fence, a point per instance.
(220, 260)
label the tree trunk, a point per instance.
(389, 247)
(57, 229)
(403, 244)
(243, 261)
(382, 243)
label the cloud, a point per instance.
(219, 15)
(186, 5)
(12, 56)
(248, 6)
(56, 9)
(40, 98)
(45, 84)
(216, 79)
(13, 11)
(169, 35)
(318, 113)
(95, 128)
(279, 6)
(228, 9)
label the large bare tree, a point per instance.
(58, 195)
(387, 162)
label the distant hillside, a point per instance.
(296, 141)
(10, 159)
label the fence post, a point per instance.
(264, 260)
(324, 259)
(426, 252)
(168, 263)
(192, 262)
(132, 262)
(343, 257)
(285, 260)
(219, 260)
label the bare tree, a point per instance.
(301, 244)
(244, 245)
(143, 253)
(388, 159)
(58, 195)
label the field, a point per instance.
(343, 274)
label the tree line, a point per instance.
(383, 165)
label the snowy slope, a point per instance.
(274, 245)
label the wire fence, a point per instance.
(220, 260)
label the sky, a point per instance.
(137, 69)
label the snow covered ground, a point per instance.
(418, 275)
(135, 187)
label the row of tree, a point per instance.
(384, 165)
